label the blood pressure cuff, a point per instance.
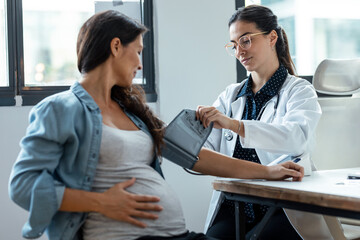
(184, 137)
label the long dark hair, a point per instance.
(266, 21)
(93, 48)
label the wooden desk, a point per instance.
(326, 192)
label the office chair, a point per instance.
(338, 78)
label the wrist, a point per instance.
(236, 126)
(96, 201)
(267, 172)
(75, 200)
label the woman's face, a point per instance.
(260, 50)
(129, 62)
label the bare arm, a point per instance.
(217, 164)
(115, 203)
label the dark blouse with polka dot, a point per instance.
(253, 109)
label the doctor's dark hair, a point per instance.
(93, 49)
(266, 21)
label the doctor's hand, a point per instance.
(208, 114)
(118, 204)
(285, 170)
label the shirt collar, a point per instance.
(246, 88)
(271, 87)
(84, 96)
(274, 84)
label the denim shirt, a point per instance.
(60, 150)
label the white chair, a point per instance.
(337, 77)
(338, 133)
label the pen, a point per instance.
(296, 160)
(354, 176)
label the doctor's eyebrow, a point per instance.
(240, 36)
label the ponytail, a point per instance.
(283, 52)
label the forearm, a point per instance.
(217, 164)
(75, 200)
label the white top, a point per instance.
(125, 154)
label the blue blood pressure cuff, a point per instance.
(184, 137)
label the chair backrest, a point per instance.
(338, 132)
(337, 77)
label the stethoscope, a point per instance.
(228, 134)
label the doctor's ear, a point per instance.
(273, 38)
(116, 46)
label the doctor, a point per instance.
(270, 114)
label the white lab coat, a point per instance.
(289, 129)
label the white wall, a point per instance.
(13, 123)
(192, 68)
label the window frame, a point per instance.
(7, 94)
(32, 95)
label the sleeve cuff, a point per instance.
(46, 198)
(245, 142)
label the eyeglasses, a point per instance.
(244, 42)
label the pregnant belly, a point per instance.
(168, 199)
(169, 223)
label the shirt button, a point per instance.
(72, 225)
(87, 179)
(97, 132)
(94, 155)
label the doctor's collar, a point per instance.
(271, 87)
(245, 90)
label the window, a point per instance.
(316, 30)
(4, 82)
(45, 35)
(7, 91)
(50, 31)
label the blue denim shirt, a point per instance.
(60, 149)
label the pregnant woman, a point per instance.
(88, 166)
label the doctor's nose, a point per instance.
(239, 51)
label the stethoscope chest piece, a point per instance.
(228, 135)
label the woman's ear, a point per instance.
(116, 47)
(273, 38)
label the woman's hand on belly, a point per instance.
(118, 204)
